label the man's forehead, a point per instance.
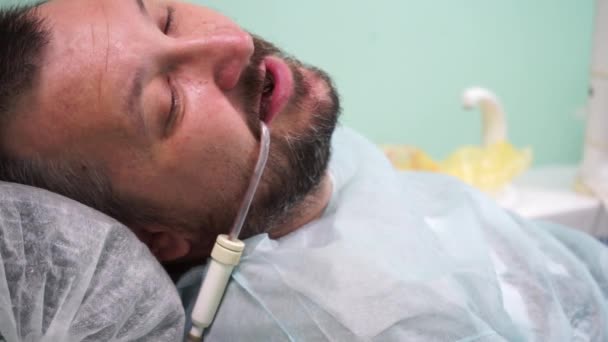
(80, 74)
(93, 54)
(80, 41)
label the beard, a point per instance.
(297, 161)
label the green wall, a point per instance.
(401, 65)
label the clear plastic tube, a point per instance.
(253, 183)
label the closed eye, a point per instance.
(173, 111)
(169, 20)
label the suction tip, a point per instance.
(196, 334)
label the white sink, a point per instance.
(547, 193)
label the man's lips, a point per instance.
(277, 89)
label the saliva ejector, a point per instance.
(226, 252)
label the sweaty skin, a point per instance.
(192, 163)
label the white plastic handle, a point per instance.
(494, 125)
(225, 256)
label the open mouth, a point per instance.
(267, 90)
(277, 89)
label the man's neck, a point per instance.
(309, 210)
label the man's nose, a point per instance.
(221, 51)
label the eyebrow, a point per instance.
(134, 108)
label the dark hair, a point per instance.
(23, 39)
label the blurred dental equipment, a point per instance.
(227, 252)
(493, 166)
(593, 175)
(490, 167)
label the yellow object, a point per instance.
(409, 158)
(489, 168)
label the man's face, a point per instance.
(167, 97)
